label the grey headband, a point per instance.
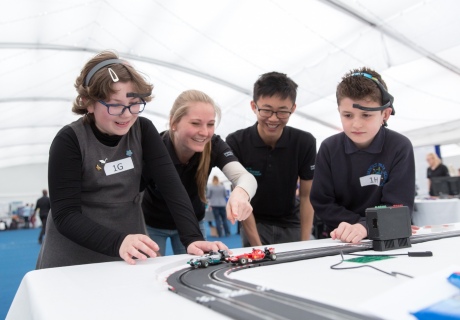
(98, 66)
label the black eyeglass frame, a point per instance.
(288, 113)
(107, 105)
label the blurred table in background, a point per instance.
(436, 211)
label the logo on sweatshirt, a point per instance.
(379, 168)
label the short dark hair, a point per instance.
(275, 84)
(358, 87)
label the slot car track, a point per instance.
(237, 299)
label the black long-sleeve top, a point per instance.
(64, 178)
(157, 212)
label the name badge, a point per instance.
(372, 179)
(118, 166)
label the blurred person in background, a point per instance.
(435, 169)
(43, 207)
(217, 199)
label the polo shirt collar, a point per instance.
(258, 142)
(376, 145)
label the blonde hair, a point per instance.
(437, 160)
(179, 110)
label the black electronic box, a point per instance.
(389, 227)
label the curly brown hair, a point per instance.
(360, 88)
(100, 84)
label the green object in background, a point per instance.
(368, 259)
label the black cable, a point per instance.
(393, 274)
(410, 254)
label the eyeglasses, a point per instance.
(266, 113)
(119, 109)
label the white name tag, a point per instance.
(118, 166)
(372, 179)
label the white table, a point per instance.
(436, 212)
(117, 290)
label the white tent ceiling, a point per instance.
(221, 47)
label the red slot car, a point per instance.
(255, 255)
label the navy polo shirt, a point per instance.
(344, 185)
(156, 212)
(276, 171)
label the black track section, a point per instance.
(434, 236)
(212, 287)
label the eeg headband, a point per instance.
(387, 99)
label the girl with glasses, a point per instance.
(95, 168)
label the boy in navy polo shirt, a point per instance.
(277, 155)
(364, 166)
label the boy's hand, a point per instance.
(352, 233)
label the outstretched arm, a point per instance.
(245, 186)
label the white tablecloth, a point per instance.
(436, 212)
(117, 290)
